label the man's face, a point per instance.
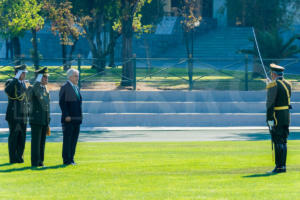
(74, 78)
(273, 75)
(23, 76)
(45, 80)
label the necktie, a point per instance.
(76, 91)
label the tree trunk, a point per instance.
(11, 49)
(99, 61)
(17, 50)
(70, 55)
(112, 47)
(7, 48)
(127, 33)
(127, 70)
(35, 53)
(64, 56)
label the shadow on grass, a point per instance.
(5, 164)
(260, 175)
(32, 168)
(261, 136)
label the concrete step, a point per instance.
(167, 107)
(169, 119)
(215, 96)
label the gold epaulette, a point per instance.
(272, 84)
(288, 82)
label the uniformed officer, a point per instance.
(17, 114)
(278, 115)
(39, 116)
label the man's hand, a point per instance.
(68, 119)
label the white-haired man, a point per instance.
(70, 102)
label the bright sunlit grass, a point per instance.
(154, 170)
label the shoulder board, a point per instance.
(272, 84)
(288, 82)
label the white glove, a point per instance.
(268, 81)
(19, 73)
(39, 78)
(270, 123)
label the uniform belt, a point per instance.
(281, 108)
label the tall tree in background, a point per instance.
(190, 21)
(269, 18)
(65, 24)
(96, 17)
(130, 22)
(18, 16)
(264, 15)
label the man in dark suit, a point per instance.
(17, 114)
(278, 115)
(39, 100)
(70, 101)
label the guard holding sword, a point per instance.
(278, 115)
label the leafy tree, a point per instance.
(153, 12)
(65, 24)
(18, 16)
(190, 21)
(264, 15)
(128, 23)
(273, 46)
(269, 18)
(96, 18)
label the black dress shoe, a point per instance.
(278, 170)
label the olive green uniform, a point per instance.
(278, 105)
(16, 116)
(39, 121)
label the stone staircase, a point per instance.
(217, 43)
(167, 109)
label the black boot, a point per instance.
(277, 155)
(280, 159)
(283, 157)
(277, 158)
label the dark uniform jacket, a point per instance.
(70, 104)
(278, 102)
(17, 108)
(39, 105)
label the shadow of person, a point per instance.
(49, 167)
(6, 164)
(260, 175)
(14, 170)
(31, 168)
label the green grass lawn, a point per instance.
(154, 170)
(160, 78)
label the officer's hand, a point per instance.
(270, 123)
(68, 119)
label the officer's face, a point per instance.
(45, 80)
(23, 76)
(273, 76)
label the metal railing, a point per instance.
(166, 73)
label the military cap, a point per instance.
(21, 67)
(43, 71)
(276, 68)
